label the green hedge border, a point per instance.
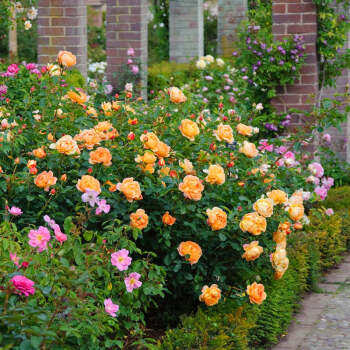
(242, 327)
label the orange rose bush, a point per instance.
(209, 202)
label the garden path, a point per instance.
(324, 319)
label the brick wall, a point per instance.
(292, 17)
(62, 26)
(126, 28)
(231, 13)
(186, 39)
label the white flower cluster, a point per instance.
(97, 67)
(203, 61)
(32, 14)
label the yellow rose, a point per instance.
(130, 188)
(192, 249)
(256, 293)
(107, 108)
(253, 223)
(101, 155)
(91, 111)
(191, 187)
(210, 295)
(139, 219)
(224, 133)
(176, 95)
(216, 175)
(189, 129)
(296, 211)
(249, 149)
(244, 130)
(88, 182)
(78, 97)
(252, 251)
(264, 207)
(66, 58)
(278, 196)
(66, 145)
(150, 141)
(217, 218)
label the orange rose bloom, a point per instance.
(88, 182)
(148, 158)
(296, 211)
(147, 167)
(278, 196)
(176, 95)
(101, 155)
(106, 131)
(217, 218)
(168, 219)
(130, 188)
(252, 251)
(89, 137)
(189, 129)
(187, 166)
(39, 153)
(297, 197)
(210, 295)
(150, 141)
(192, 249)
(45, 180)
(91, 111)
(253, 223)
(256, 293)
(244, 130)
(139, 219)
(249, 149)
(216, 175)
(264, 207)
(31, 164)
(78, 97)
(107, 108)
(66, 58)
(162, 150)
(66, 145)
(191, 187)
(224, 133)
(279, 236)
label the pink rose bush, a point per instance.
(23, 285)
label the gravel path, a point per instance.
(324, 319)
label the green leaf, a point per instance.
(68, 224)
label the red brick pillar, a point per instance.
(62, 26)
(297, 17)
(126, 28)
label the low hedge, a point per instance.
(232, 326)
(164, 74)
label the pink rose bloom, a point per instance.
(103, 207)
(14, 259)
(111, 308)
(31, 66)
(15, 211)
(23, 285)
(281, 149)
(265, 146)
(12, 69)
(59, 235)
(121, 259)
(132, 281)
(328, 182)
(39, 238)
(289, 155)
(321, 191)
(131, 52)
(306, 196)
(280, 162)
(327, 138)
(134, 69)
(329, 212)
(316, 169)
